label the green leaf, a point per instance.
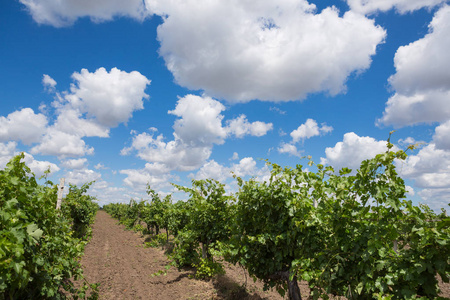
(34, 231)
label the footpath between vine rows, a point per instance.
(118, 260)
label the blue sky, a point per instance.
(134, 92)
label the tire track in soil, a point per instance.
(117, 260)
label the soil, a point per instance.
(120, 262)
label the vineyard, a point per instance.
(40, 246)
(346, 235)
(342, 233)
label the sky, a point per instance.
(137, 92)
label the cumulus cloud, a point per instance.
(267, 50)
(200, 121)
(241, 50)
(64, 13)
(6, 152)
(109, 97)
(81, 176)
(39, 167)
(240, 127)
(155, 174)
(174, 154)
(430, 171)
(75, 164)
(198, 128)
(289, 149)
(422, 80)
(71, 121)
(105, 193)
(48, 82)
(409, 141)
(96, 102)
(23, 125)
(305, 131)
(442, 136)
(62, 144)
(402, 6)
(214, 170)
(352, 151)
(308, 130)
(428, 161)
(435, 198)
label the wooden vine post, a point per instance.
(60, 193)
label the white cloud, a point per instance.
(105, 193)
(436, 198)
(100, 166)
(82, 176)
(39, 167)
(64, 13)
(214, 170)
(289, 149)
(139, 178)
(430, 171)
(200, 121)
(23, 125)
(72, 122)
(427, 107)
(110, 98)
(75, 164)
(402, 6)
(6, 152)
(235, 156)
(409, 141)
(62, 144)
(196, 131)
(246, 167)
(278, 110)
(96, 102)
(267, 50)
(352, 151)
(241, 127)
(442, 136)
(422, 80)
(308, 130)
(423, 166)
(174, 154)
(48, 82)
(410, 190)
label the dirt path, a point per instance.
(117, 260)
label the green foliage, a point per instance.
(343, 245)
(155, 212)
(177, 217)
(80, 209)
(38, 252)
(138, 228)
(157, 240)
(208, 213)
(207, 268)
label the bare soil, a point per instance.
(120, 262)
